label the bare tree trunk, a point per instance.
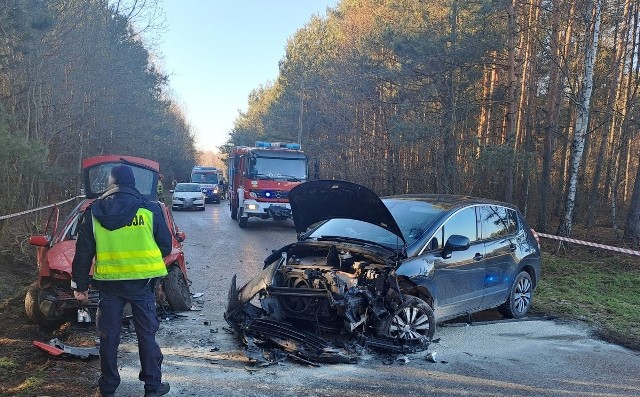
(551, 130)
(582, 117)
(613, 104)
(511, 101)
(449, 117)
(632, 227)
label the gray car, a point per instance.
(392, 267)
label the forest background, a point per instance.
(534, 103)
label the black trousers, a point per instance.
(109, 321)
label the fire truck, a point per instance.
(260, 178)
(210, 179)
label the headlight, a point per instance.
(252, 207)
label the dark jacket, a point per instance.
(114, 209)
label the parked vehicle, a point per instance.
(49, 300)
(260, 179)
(391, 267)
(188, 196)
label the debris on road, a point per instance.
(57, 348)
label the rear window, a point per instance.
(99, 178)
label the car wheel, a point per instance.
(32, 308)
(520, 296)
(234, 211)
(242, 220)
(177, 290)
(412, 320)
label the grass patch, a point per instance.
(600, 291)
(30, 386)
(7, 364)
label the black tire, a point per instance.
(32, 308)
(177, 290)
(519, 301)
(412, 320)
(234, 211)
(242, 220)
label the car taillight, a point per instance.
(537, 237)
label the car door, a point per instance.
(459, 276)
(498, 229)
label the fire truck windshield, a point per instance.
(278, 168)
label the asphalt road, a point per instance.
(495, 358)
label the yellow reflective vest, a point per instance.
(128, 253)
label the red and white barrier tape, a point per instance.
(2, 217)
(587, 243)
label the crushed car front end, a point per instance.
(330, 282)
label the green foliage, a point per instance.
(22, 161)
(76, 80)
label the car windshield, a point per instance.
(279, 168)
(412, 216)
(187, 187)
(350, 229)
(204, 178)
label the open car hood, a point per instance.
(96, 172)
(316, 201)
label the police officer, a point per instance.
(128, 236)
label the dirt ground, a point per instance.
(25, 369)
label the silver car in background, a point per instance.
(187, 196)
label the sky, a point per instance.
(217, 51)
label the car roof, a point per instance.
(447, 201)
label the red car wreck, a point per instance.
(49, 301)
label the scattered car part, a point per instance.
(57, 348)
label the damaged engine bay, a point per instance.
(312, 292)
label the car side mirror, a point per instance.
(455, 242)
(40, 241)
(181, 236)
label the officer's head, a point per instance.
(122, 175)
